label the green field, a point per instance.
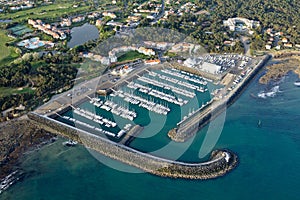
(131, 55)
(6, 53)
(45, 12)
(5, 91)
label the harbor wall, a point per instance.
(203, 117)
(220, 163)
(286, 54)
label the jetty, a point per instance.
(201, 117)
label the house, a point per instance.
(229, 43)
(98, 22)
(269, 31)
(268, 47)
(65, 22)
(284, 40)
(152, 62)
(289, 45)
(109, 14)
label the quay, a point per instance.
(201, 117)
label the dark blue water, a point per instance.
(5, 20)
(83, 34)
(269, 160)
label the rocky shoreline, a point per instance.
(16, 138)
(278, 70)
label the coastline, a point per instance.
(287, 61)
(163, 171)
(18, 136)
(220, 163)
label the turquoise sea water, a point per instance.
(269, 160)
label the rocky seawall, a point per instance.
(220, 163)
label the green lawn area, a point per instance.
(6, 53)
(131, 55)
(5, 91)
(44, 12)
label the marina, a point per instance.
(156, 91)
(174, 105)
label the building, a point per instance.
(284, 40)
(210, 68)
(98, 22)
(268, 47)
(109, 14)
(202, 65)
(66, 22)
(47, 29)
(289, 45)
(234, 24)
(152, 62)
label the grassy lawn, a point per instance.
(131, 55)
(5, 91)
(6, 53)
(4, 50)
(44, 12)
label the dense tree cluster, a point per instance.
(208, 27)
(46, 74)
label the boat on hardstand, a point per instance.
(297, 83)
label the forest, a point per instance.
(208, 29)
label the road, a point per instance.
(245, 41)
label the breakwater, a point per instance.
(203, 116)
(220, 163)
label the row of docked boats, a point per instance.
(158, 94)
(100, 130)
(96, 118)
(166, 86)
(144, 103)
(96, 102)
(178, 82)
(114, 108)
(187, 76)
(121, 111)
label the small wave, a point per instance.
(9, 180)
(270, 93)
